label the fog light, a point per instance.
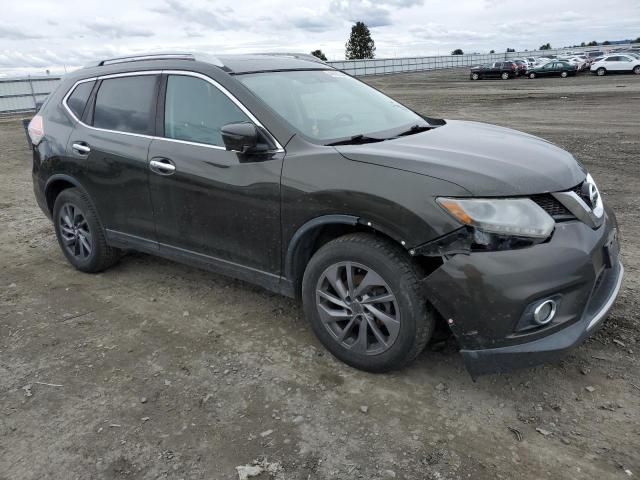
(545, 312)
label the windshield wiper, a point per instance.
(356, 140)
(415, 129)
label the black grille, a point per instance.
(552, 206)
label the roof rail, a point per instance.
(147, 56)
(300, 56)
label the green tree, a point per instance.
(546, 46)
(637, 40)
(583, 44)
(318, 53)
(509, 50)
(492, 51)
(606, 42)
(360, 44)
(592, 43)
(457, 51)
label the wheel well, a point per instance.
(313, 240)
(54, 190)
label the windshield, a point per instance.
(326, 105)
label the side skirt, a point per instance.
(269, 281)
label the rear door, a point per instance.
(212, 204)
(112, 141)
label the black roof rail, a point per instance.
(146, 56)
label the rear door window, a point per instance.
(126, 104)
(77, 101)
(196, 110)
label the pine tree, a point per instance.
(360, 44)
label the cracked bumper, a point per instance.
(485, 295)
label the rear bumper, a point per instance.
(487, 297)
(554, 346)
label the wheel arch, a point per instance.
(320, 230)
(56, 184)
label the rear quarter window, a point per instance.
(126, 104)
(77, 101)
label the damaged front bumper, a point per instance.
(487, 297)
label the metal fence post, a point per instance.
(33, 93)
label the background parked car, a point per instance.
(554, 68)
(616, 64)
(521, 66)
(504, 70)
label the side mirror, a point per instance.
(240, 137)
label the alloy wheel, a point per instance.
(75, 232)
(358, 308)
(601, 71)
(637, 70)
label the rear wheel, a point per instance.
(601, 71)
(363, 298)
(504, 76)
(532, 75)
(80, 233)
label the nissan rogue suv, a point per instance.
(284, 172)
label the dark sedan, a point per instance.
(554, 68)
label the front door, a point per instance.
(209, 203)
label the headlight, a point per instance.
(511, 216)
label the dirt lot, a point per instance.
(155, 370)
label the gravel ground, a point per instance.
(156, 370)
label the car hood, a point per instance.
(484, 159)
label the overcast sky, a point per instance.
(54, 34)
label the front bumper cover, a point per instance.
(484, 295)
(551, 347)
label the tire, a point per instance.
(564, 74)
(636, 70)
(80, 233)
(601, 71)
(505, 76)
(395, 276)
(532, 75)
(475, 76)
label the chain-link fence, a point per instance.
(416, 64)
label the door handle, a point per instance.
(163, 167)
(81, 147)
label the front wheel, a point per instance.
(362, 296)
(601, 71)
(636, 70)
(564, 74)
(532, 75)
(505, 76)
(475, 76)
(80, 233)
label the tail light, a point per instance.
(36, 129)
